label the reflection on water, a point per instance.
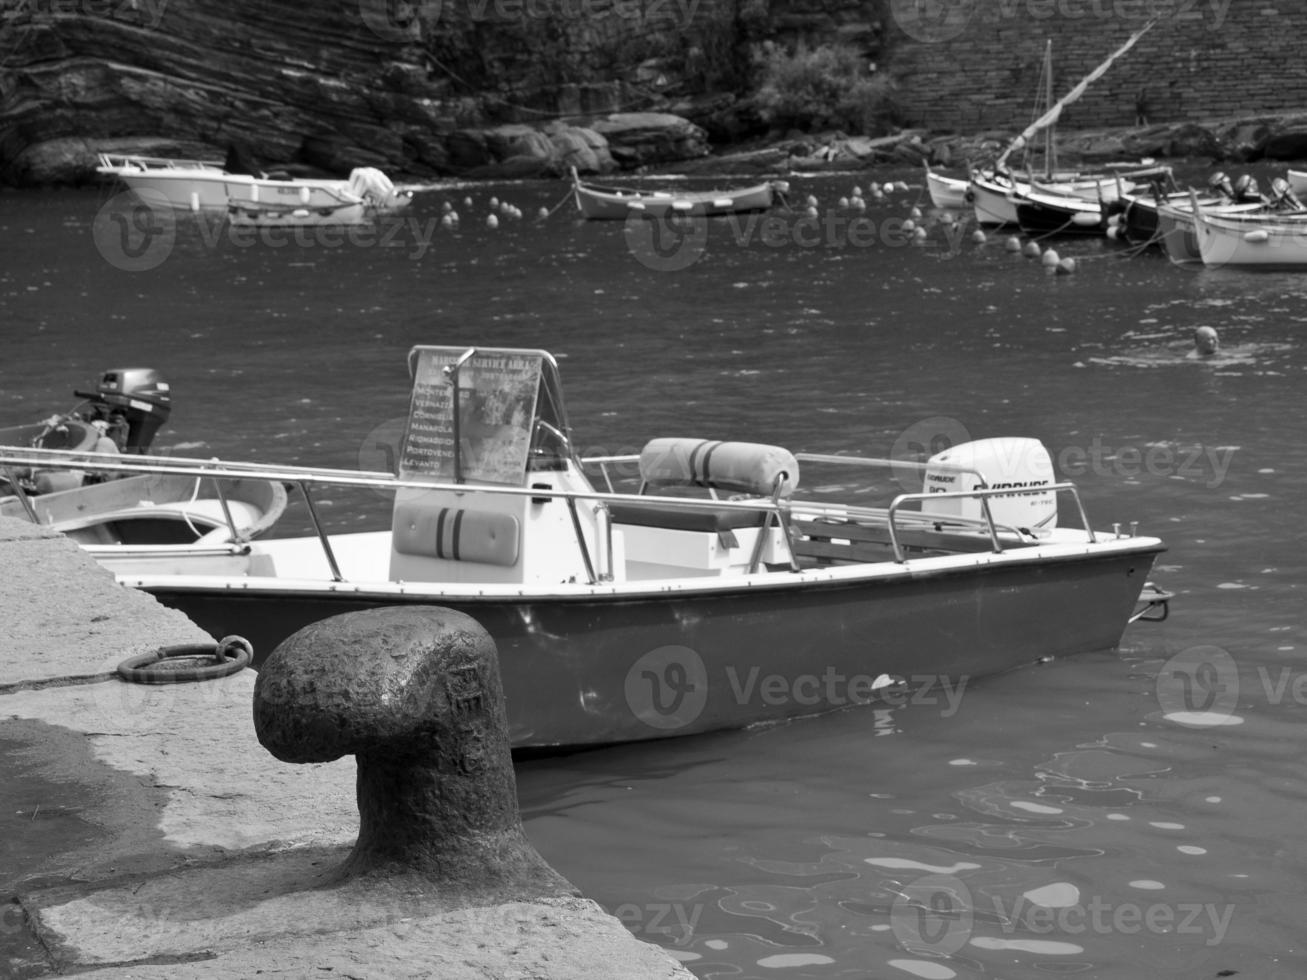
(1100, 817)
(1263, 357)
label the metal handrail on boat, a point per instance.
(305, 477)
(983, 496)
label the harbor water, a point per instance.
(1125, 813)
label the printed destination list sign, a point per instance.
(497, 402)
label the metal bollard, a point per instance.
(414, 694)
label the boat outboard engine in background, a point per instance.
(1001, 463)
(133, 402)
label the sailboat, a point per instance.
(998, 192)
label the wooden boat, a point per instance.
(996, 190)
(1298, 182)
(1177, 231)
(620, 203)
(1149, 218)
(210, 186)
(1250, 239)
(624, 613)
(1047, 210)
(94, 506)
(948, 193)
(1042, 213)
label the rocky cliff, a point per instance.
(417, 88)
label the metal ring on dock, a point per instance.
(228, 656)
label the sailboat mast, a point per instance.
(1050, 153)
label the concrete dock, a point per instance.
(149, 834)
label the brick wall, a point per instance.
(972, 65)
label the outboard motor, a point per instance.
(995, 464)
(1283, 195)
(1219, 183)
(1246, 190)
(134, 402)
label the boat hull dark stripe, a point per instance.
(1041, 219)
(598, 670)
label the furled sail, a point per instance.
(1050, 117)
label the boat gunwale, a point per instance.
(807, 579)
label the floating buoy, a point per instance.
(888, 188)
(812, 201)
(901, 186)
(1031, 250)
(909, 224)
(467, 202)
(859, 204)
(1051, 258)
(543, 213)
(492, 222)
(1012, 243)
(915, 213)
(447, 207)
(1113, 232)
(979, 238)
(919, 234)
(1206, 342)
(857, 192)
(844, 202)
(1066, 267)
(494, 202)
(812, 211)
(447, 221)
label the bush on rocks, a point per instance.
(827, 87)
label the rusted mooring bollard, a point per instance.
(414, 694)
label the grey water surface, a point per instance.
(1131, 813)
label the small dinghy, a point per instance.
(94, 506)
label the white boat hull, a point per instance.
(1253, 240)
(949, 193)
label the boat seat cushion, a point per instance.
(454, 534)
(736, 467)
(697, 518)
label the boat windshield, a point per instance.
(510, 420)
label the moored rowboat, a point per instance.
(1250, 239)
(617, 203)
(948, 192)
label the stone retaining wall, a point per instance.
(1203, 59)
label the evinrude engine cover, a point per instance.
(995, 464)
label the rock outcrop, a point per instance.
(341, 84)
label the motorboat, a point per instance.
(93, 506)
(691, 587)
(256, 197)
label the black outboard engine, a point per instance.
(134, 402)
